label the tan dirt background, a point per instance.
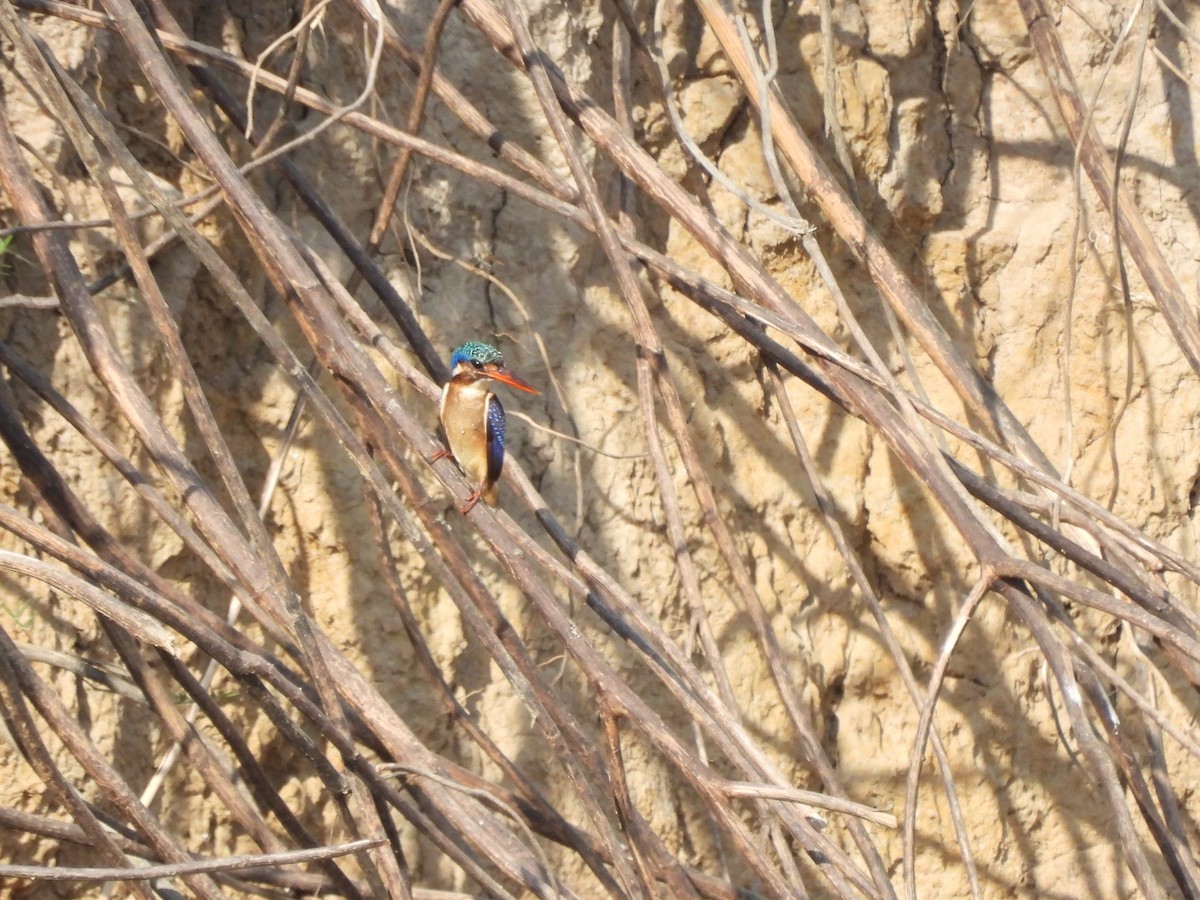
(964, 168)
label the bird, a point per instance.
(473, 418)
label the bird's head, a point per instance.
(475, 359)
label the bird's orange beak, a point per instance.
(504, 376)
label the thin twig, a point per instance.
(175, 870)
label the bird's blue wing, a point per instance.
(495, 437)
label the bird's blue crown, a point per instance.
(475, 352)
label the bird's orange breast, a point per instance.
(464, 408)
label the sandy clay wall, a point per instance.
(863, 402)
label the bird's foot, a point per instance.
(471, 501)
(441, 454)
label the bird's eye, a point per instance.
(477, 364)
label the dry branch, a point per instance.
(567, 811)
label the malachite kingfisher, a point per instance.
(473, 419)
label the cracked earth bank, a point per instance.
(1072, 749)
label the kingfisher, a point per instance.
(473, 419)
